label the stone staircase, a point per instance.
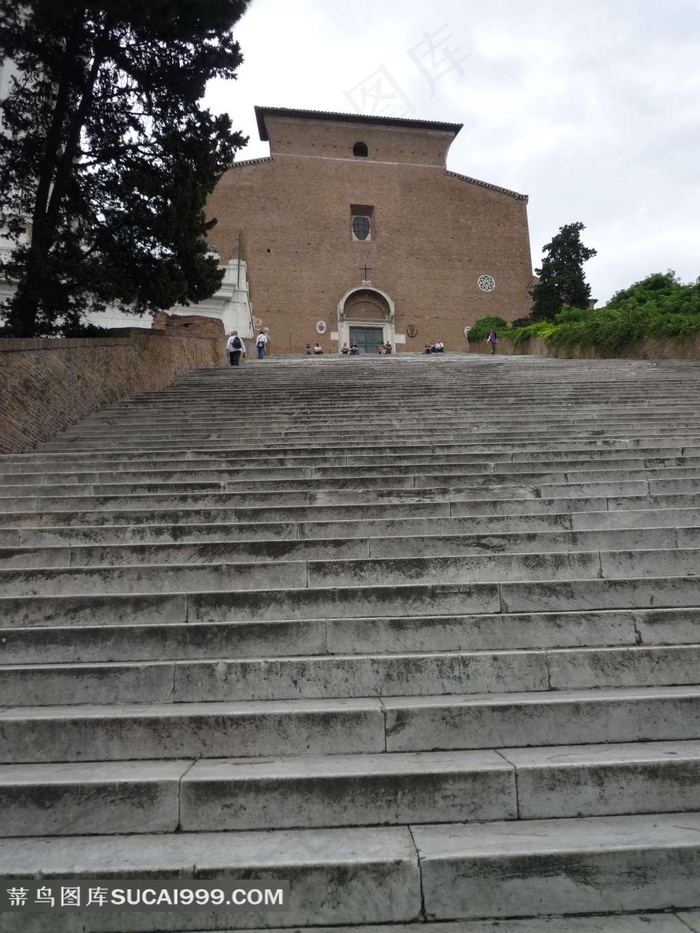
(419, 635)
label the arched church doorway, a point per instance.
(366, 317)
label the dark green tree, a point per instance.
(107, 158)
(562, 283)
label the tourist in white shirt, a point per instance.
(235, 347)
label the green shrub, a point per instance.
(657, 307)
(480, 329)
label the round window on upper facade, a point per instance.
(360, 150)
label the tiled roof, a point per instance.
(252, 161)
(485, 184)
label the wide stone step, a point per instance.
(215, 679)
(165, 633)
(357, 455)
(356, 876)
(125, 797)
(310, 468)
(356, 452)
(237, 794)
(335, 876)
(563, 866)
(175, 533)
(316, 517)
(568, 717)
(679, 922)
(327, 727)
(369, 602)
(617, 481)
(72, 498)
(442, 542)
(313, 574)
(113, 732)
(295, 678)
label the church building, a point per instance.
(354, 230)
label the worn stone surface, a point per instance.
(343, 790)
(348, 876)
(221, 633)
(602, 780)
(560, 866)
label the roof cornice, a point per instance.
(262, 112)
(485, 184)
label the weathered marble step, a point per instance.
(347, 726)
(239, 794)
(115, 731)
(438, 544)
(571, 717)
(263, 551)
(215, 679)
(481, 484)
(679, 922)
(280, 480)
(213, 423)
(358, 451)
(206, 509)
(263, 605)
(215, 531)
(679, 518)
(484, 435)
(152, 638)
(604, 780)
(336, 876)
(482, 439)
(369, 602)
(294, 574)
(348, 495)
(346, 790)
(625, 592)
(546, 866)
(306, 414)
(310, 468)
(190, 513)
(118, 797)
(170, 636)
(289, 678)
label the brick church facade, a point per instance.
(354, 230)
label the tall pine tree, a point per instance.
(107, 158)
(562, 282)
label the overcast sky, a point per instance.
(590, 108)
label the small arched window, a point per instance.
(359, 150)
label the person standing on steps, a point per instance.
(261, 344)
(235, 347)
(492, 340)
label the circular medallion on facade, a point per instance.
(321, 327)
(257, 322)
(466, 331)
(486, 283)
(411, 330)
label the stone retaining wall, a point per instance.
(47, 384)
(652, 349)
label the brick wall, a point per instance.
(434, 234)
(192, 325)
(48, 384)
